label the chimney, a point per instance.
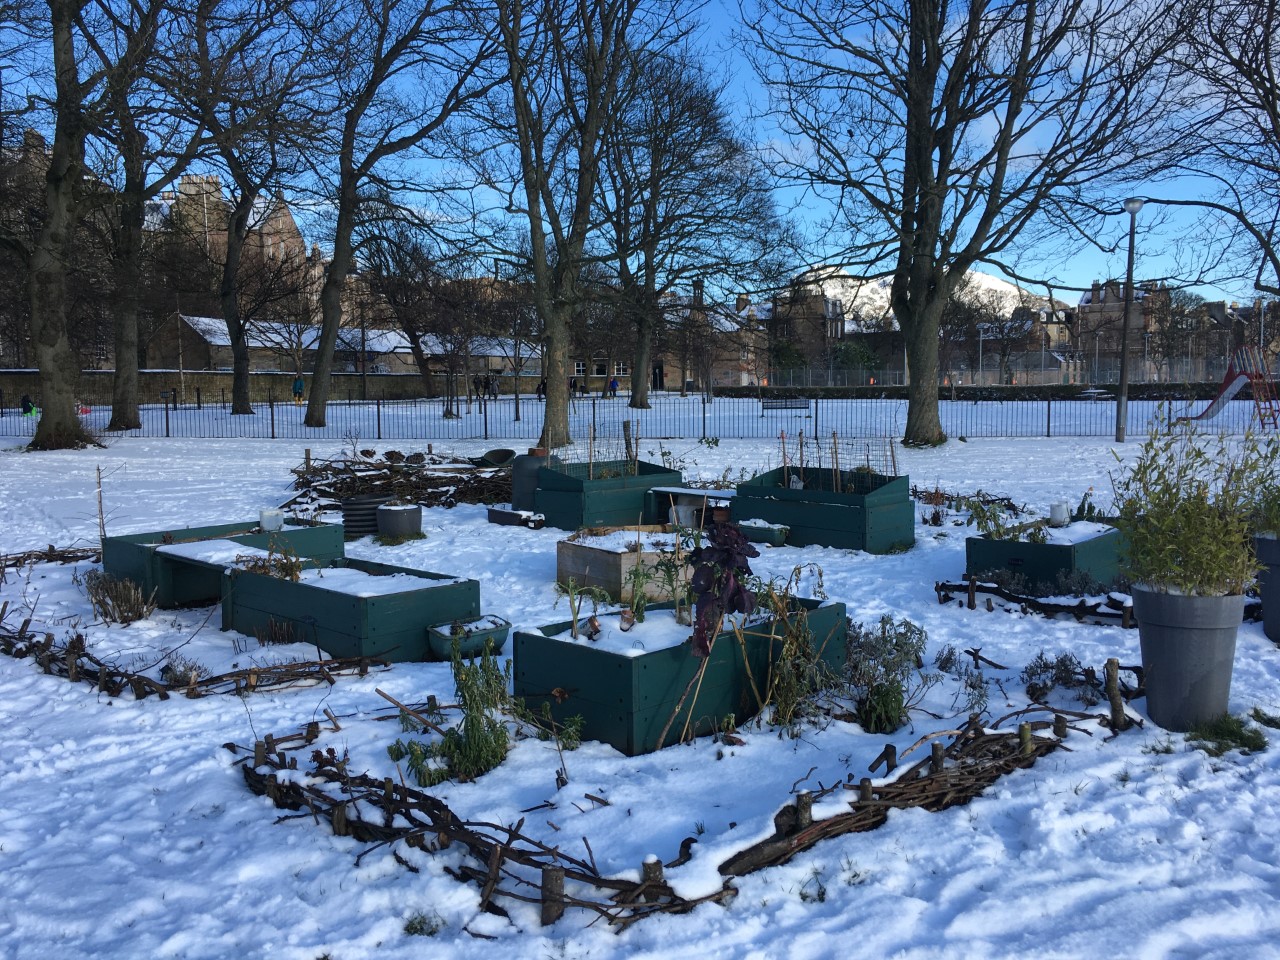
(741, 303)
(697, 294)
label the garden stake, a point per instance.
(835, 462)
(804, 809)
(651, 875)
(1119, 721)
(552, 894)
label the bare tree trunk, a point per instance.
(229, 298)
(555, 423)
(642, 360)
(923, 427)
(128, 279)
(59, 426)
(335, 278)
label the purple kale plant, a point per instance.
(720, 567)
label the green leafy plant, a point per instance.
(638, 579)
(480, 740)
(1086, 509)
(671, 570)
(1186, 509)
(799, 672)
(575, 593)
(884, 670)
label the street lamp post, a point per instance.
(1131, 206)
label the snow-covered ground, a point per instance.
(128, 832)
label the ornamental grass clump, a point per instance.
(1185, 507)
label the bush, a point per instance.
(1186, 508)
(117, 601)
(884, 671)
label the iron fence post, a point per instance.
(271, 403)
(166, 416)
(1048, 416)
(379, 415)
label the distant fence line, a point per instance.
(671, 417)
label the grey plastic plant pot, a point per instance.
(1188, 652)
(1267, 550)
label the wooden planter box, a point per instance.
(589, 565)
(392, 626)
(569, 499)
(626, 701)
(180, 582)
(1043, 563)
(869, 512)
(473, 635)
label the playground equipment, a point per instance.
(1247, 366)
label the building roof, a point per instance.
(275, 336)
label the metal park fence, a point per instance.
(669, 416)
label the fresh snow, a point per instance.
(128, 832)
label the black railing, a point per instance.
(669, 416)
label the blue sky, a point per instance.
(1163, 248)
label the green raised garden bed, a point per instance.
(626, 700)
(868, 512)
(1082, 548)
(472, 635)
(179, 581)
(349, 614)
(609, 493)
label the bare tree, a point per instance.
(401, 70)
(546, 134)
(248, 75)
(685, 199)
(1230, 64)
(1173, 322)
(941, 133)
(48, 252)
(144, 146)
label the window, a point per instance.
(579, 368)
(600, 368)
(621, 368)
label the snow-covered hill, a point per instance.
(866, 302)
